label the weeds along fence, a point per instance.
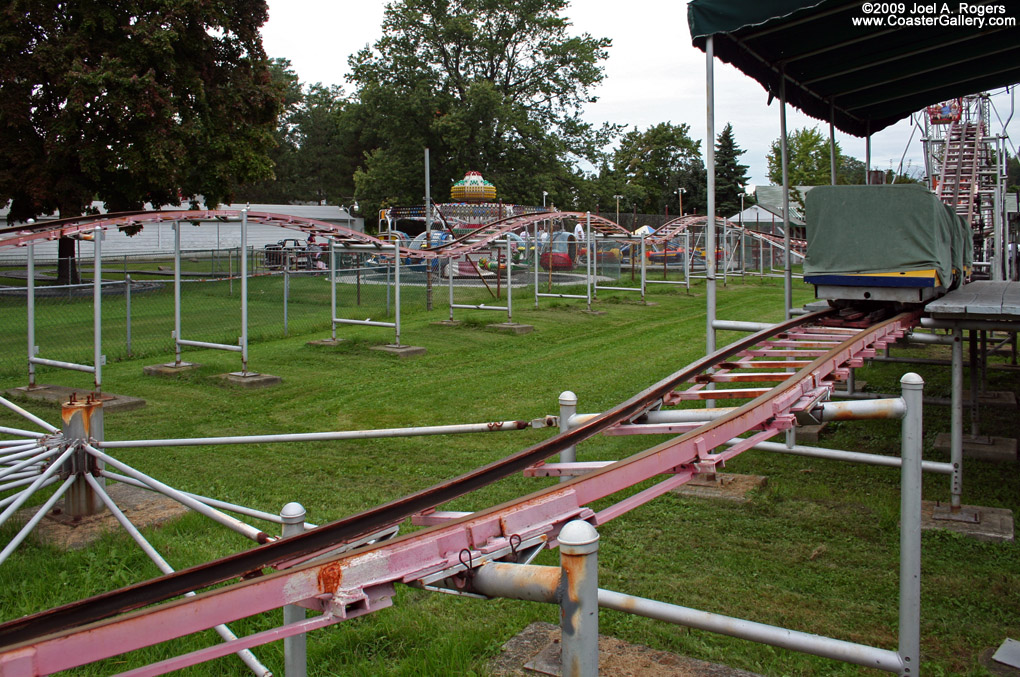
(138, 303)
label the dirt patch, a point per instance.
(536, 651)
(144, 508)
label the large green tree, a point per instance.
(808, 159)
(650, 166)
(730, 176)
(130, 102)
(486, 85)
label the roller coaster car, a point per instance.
(561, 254)
(894, 244)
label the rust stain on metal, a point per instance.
(330, 577)
(494, 425)
(521, 425)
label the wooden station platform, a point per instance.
(982, 300)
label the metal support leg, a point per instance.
(972, 344)
(295, 649)
(568, 407)
(244, 291)
(31, 315)
(579, 607)
(332, 290)
(97, 310)
(177, 293)
(82, 421)
(910, 526)
(956, 424)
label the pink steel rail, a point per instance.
(360, 581)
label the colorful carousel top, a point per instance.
(473, 188)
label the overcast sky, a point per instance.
(654, 74)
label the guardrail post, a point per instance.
(568, 407)
(910, 525)
(244, 291)
(177, 293)
(294, 647)
(579, 606)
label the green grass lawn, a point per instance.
(815, 550)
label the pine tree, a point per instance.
(730, 176)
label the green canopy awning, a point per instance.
(871, 76)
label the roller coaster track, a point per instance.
(673, 228)
(777, 373)
(484, 235)
(20, 236)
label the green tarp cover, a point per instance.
(877, 229)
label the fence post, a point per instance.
(509, 281)
(295, 654)
(127, 301)
(910, 525)
(244, 291)
(579, 606)
(396, 293)
(97, 308)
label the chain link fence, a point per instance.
(137, 302)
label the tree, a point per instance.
(490, 86)
(808, 159)
(310, 160)
(1012, 173)
(649, 167)
(730, 176)
(131, 102)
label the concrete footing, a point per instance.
(400, 351)
(982, 448)
(809, 434)
(61, 394)
(723, 486)
(143, 507)
(326, 342)
(983, 524)
(511, 328)
(250, 379)
(169, 369)
(536, 650)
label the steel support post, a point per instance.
(534, 261)
(244, 291)
(972, 345)
(579, 606)
(910, 526)
(643, 255)
(286, 295)
(332, 290)
(588, 259)
(568, 407)
(30, 294)
(177, 293)
(449, 272)
(783, 147)
(127, 303)
(82, 422)
(97, 309)
(832, 143)
(710, 224)
(295, 650)
(956, 425)
(396, 292)
(509, 282)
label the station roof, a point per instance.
(872, 76)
